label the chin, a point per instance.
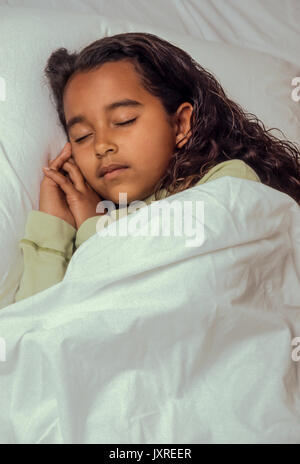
(113, 195)
(113, 198)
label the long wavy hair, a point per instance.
(220, 129)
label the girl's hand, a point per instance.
(52, 198)
(80, 196)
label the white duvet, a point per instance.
(148, 340)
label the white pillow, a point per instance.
(270, 26)
(30, 129)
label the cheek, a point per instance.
(81, 163)
(85, 172)
(158, 145)
(153, 158)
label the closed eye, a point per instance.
(126, 122)
(82, 138)
(117, 124)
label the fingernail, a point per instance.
(45, 167)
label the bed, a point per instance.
(185, 343)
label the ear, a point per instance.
(183, 124)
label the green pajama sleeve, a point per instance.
(47, 249)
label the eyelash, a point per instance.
(118, 124)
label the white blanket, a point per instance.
(148, 340)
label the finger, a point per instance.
(75, 175)
(57, 157)
(64, 183)
(65, 153)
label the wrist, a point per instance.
(80, 221)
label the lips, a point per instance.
(110, 168)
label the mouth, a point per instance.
(114, 173)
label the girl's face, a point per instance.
(145, 144)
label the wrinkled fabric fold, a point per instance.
(147, 340)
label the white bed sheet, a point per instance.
(179, 345)
(270, 26)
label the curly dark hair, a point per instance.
(220, 129)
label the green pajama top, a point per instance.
(50, 242)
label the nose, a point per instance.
(104, 148)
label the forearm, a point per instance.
(47, 249)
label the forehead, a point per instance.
(102, 85)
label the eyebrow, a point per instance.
(112, 106)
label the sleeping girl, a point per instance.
(143, 118)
